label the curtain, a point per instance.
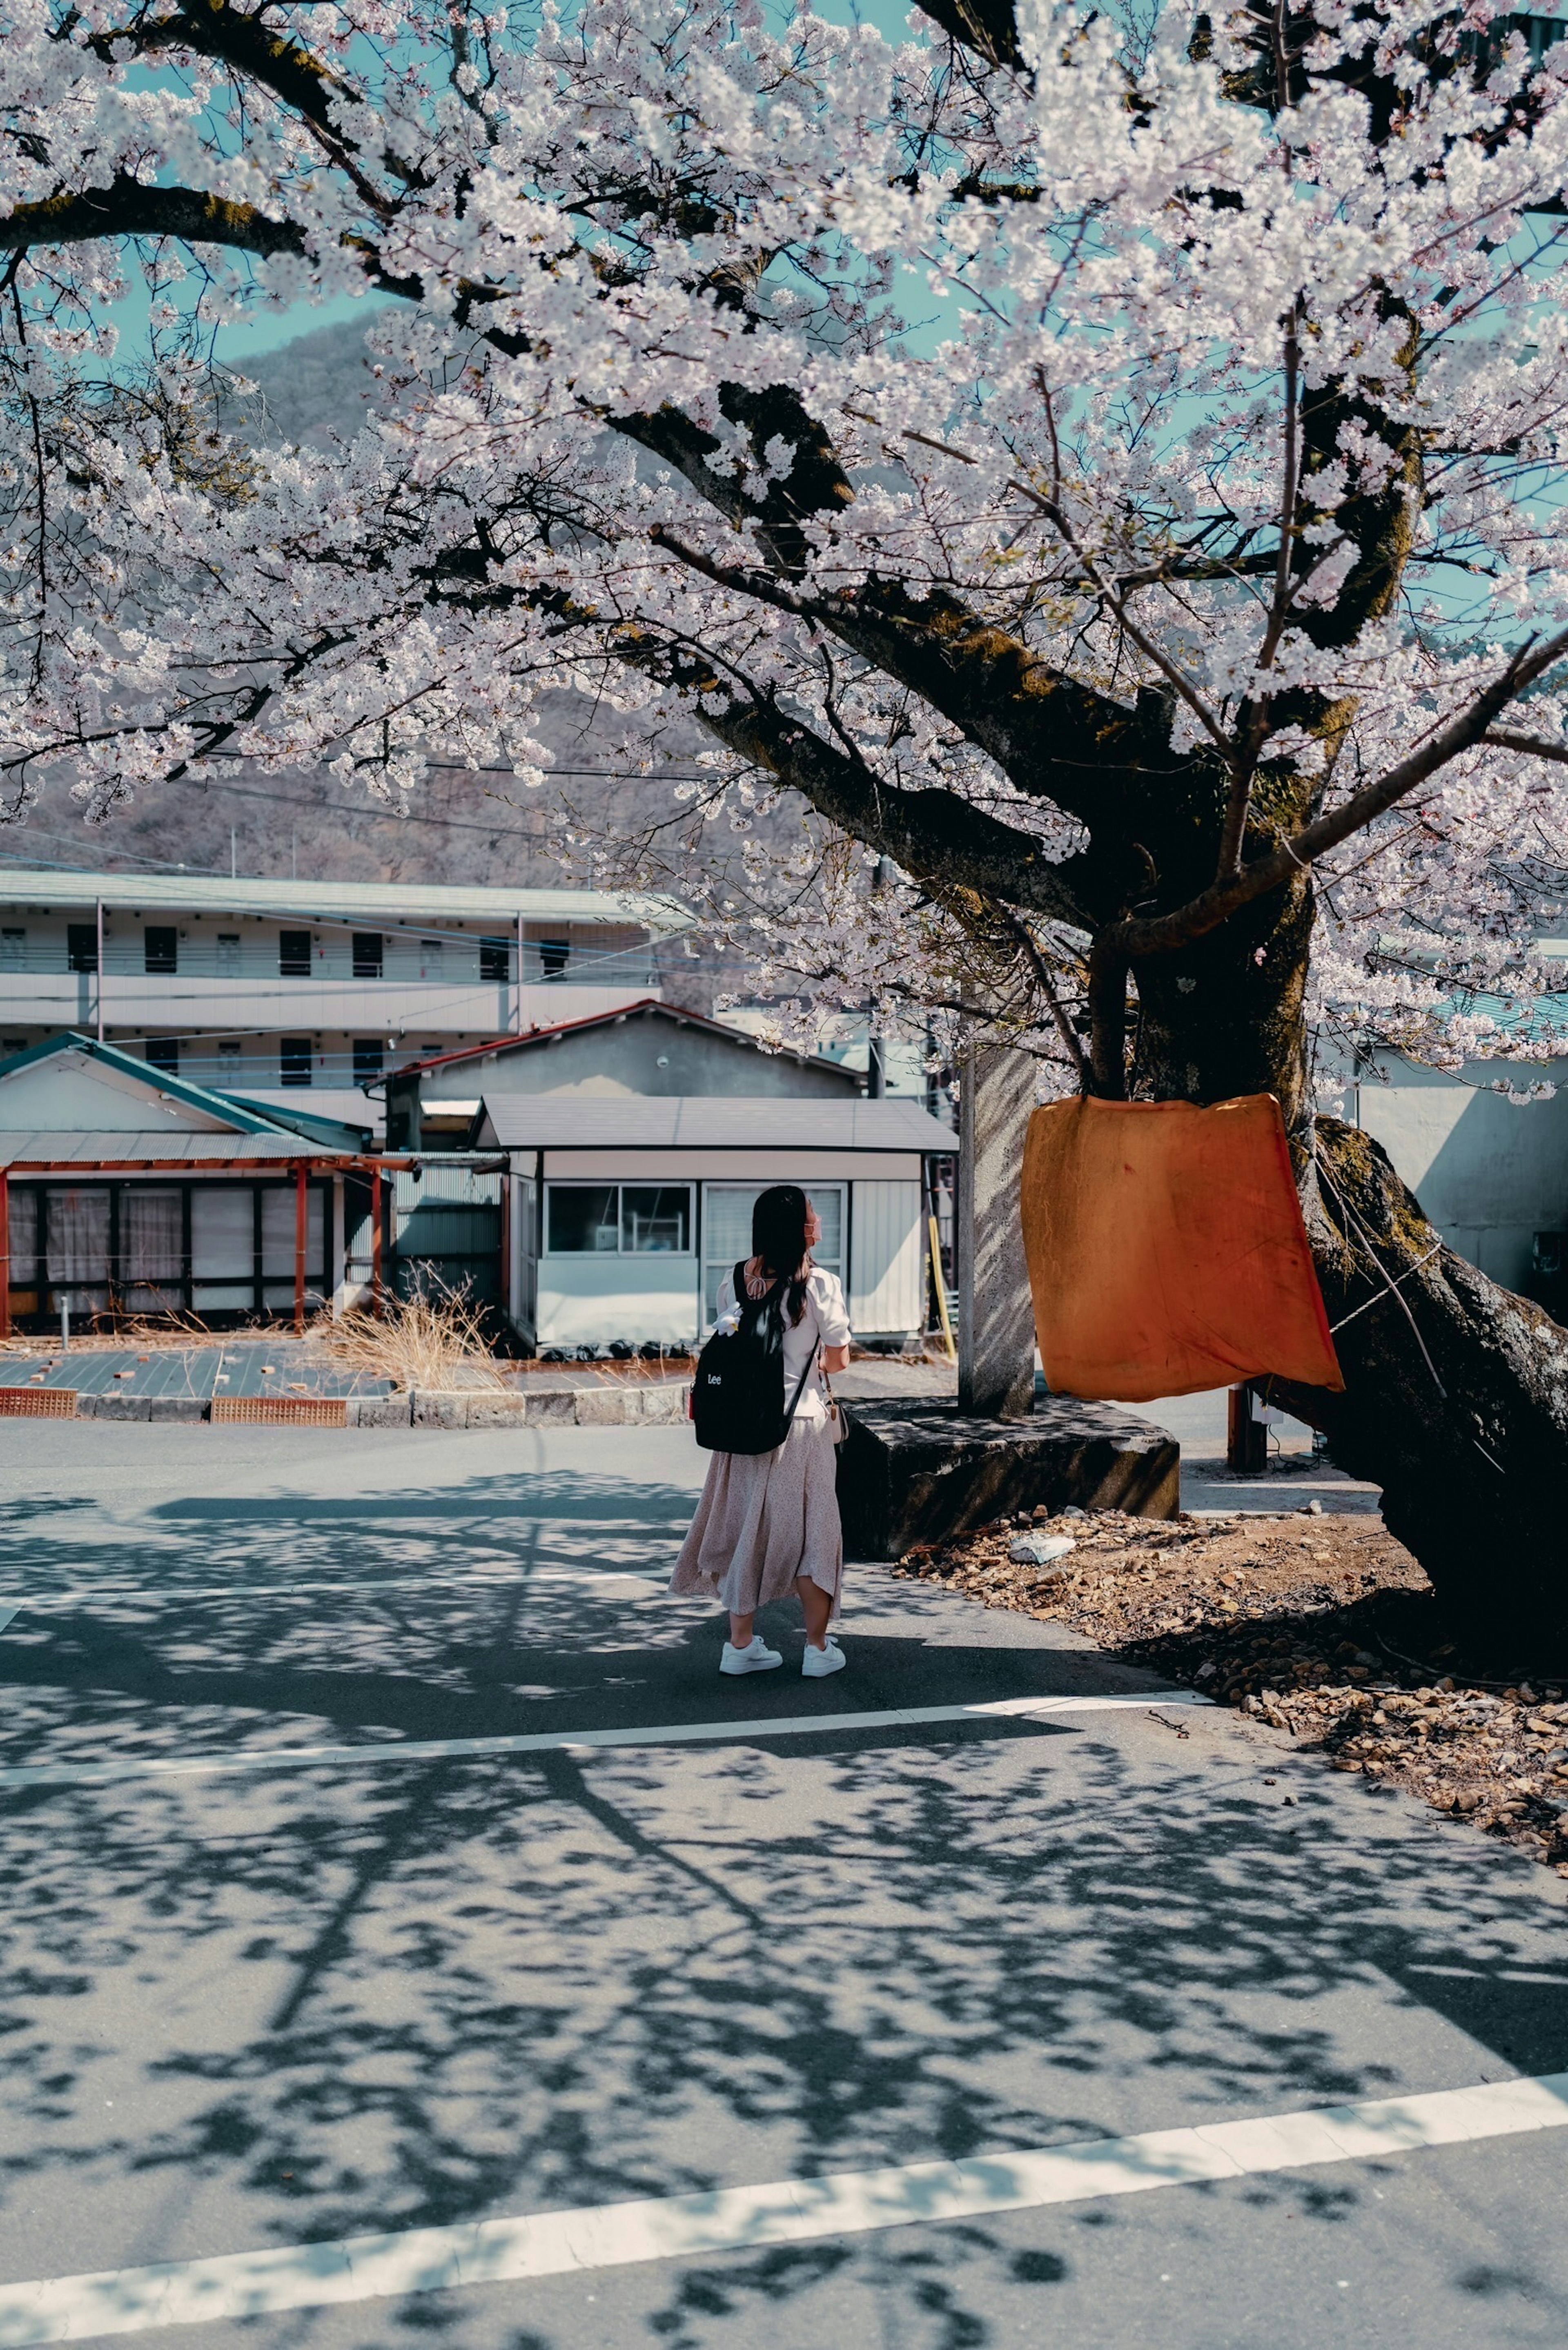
(149, 1237)
(78, 1238)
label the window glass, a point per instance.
(294, 1059)
(367, 954)
(160, 947)
(223, 1232)
(163, 1053)
(583, 1218)
(13, 950)
(495, 960)
(81, 945)
(656, 1219)
(370, 1057)
(279, 1210)
(294, 954)
(228, 952)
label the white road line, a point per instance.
(571, 1742)
(504, 1578)
(742, 2218)
(7, 1613)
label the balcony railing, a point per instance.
(200, 959)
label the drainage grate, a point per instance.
(314, 1412)
(37, 1403)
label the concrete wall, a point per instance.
(644, 1054)
(1489, 1175)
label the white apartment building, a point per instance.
(261, 988)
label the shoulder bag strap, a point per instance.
(799, 1392)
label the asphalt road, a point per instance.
(282, 2007)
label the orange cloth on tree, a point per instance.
(1167, 1252)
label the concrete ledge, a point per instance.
(635, 1404)
(114, 1407)
(912, 1472)
(377, 1411)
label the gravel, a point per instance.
(1322, 1625)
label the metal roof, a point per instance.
(119, 1148)
(345, 901)
(649, 1007)
(709, 1122)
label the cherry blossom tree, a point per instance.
(1097, 486)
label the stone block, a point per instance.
(918, 1471)
(186, 1408)
(497, 1407)
(440, 1407)
(116, 1407)
(378, 1411)
(605, 1407)
(665, 1403)
(551, 1406)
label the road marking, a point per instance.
(501, 1578)
(742, 2219)
(556, 1742)
(7, 1613)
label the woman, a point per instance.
(767, 1522)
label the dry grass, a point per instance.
(418, 1342)
(141, 1332)
(1324, 1627)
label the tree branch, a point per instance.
(1164, 933)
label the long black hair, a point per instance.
(778, 1239)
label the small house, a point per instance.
(644, 1048)
(627, 1211)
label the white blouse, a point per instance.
(824, 1321)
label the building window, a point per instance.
(13, 950)
(163, 1054)
(228, 953)
(555, 954)
(160, 948)
(81, 945)
(370, 1059)
(294, 954)
(368, 954)
(495, 960)
(727, 1231)
(618, 1219)
(429, 958)
(228, 1058)
(294, 1057)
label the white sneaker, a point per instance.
(818, 1662)
(756, 1656)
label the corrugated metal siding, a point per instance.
(885, 1259)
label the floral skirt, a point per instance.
(764, 1518)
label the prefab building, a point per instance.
(625, 1214)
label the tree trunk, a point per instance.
(1456, 1395)
(1456, 1402)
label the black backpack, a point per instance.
(738, 1397)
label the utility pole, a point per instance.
(99, 973)
(996, 1314)
(877, 1048)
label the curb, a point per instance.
(651, 1405)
